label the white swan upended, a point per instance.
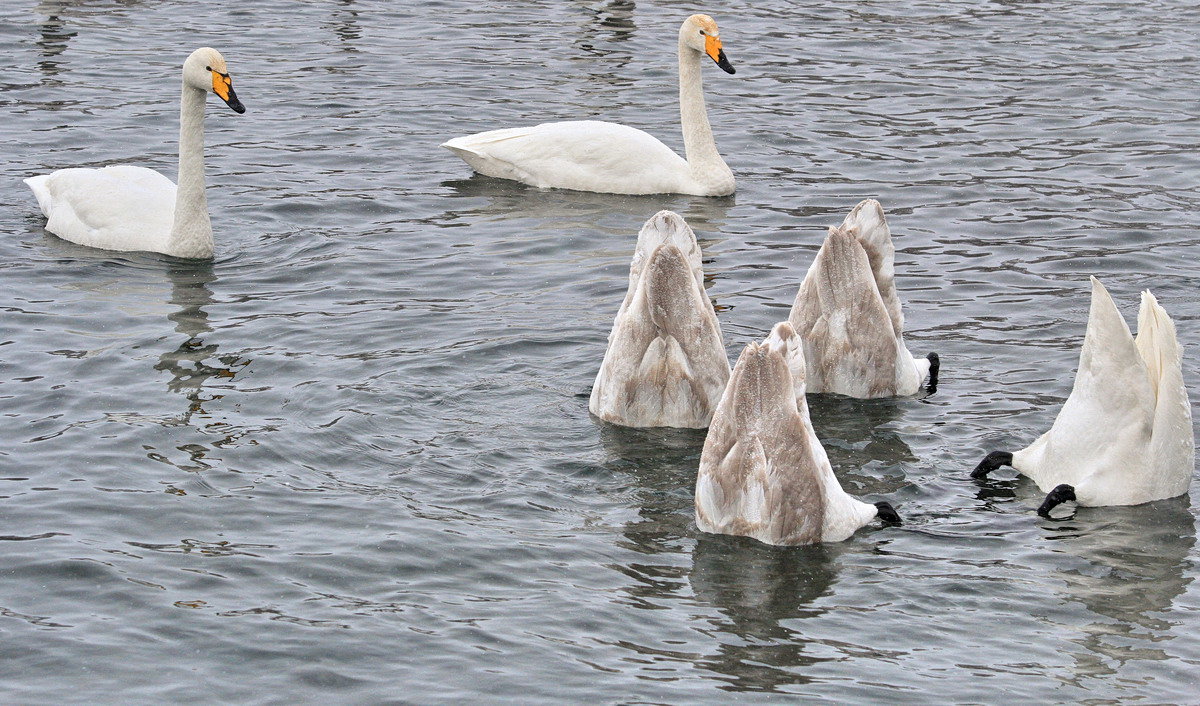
(590, 155)
(1124, 435)
(848, 314)
(135, 208)
(665, 365)
(763, 472)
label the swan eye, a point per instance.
(209, 68)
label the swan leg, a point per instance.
(935, 364)
(991, 462)
(887, 513)
(1061, 494)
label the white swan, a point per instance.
(1124, 435)
(665, 365)
(589, 155)
(763, 472)
(135, 208)
(848, 314)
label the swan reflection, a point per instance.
(1127, 573)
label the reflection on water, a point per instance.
(344, 23)
(600, 39)
(757, 587)
(193, 363)
(1126, 573)
(53, 38)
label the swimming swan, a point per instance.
(848, 314)
(665, 365)
(590, 155)
(135, 208)
(1124, 435)
(763, 472)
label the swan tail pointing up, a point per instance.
(1172, 446)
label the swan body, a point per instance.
(665, 365)
(763, 472)
(1124, 435)
(590, 155)
(134, 208)
(848, 313)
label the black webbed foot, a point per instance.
(887, 513)
(1061, 494)
(935, 364)
(991, 462)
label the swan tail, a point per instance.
(41, 189)
(1173, 451)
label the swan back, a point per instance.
(763, 472)
(665, 364)
(848, 313)
(1124, 436)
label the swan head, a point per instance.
(205, 70)
(700, 33)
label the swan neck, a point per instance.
(699, 146)
(191, 233)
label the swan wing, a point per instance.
(585, 155)
(1172, 448)
(849, 341)
(758, 473)
(115, 208)
(665, 364)
(1100, 440)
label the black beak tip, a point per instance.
(237, 106)
(724, 63)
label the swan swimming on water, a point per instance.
(1124, 435)
(134, 208)
(763, 472)
(591, 155)
(665, 365)
(848, 314)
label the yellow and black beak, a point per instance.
(712, 47)
(223, 87)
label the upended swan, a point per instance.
(848, 314)
(763, 472)
(665, 365)
(590, 155)
(1124, 435)
(134, 208)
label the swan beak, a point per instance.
(712, 47)
(223, 87)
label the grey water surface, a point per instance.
(350, 459)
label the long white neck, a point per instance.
(699, 146)
(191, 233)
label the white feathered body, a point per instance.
(118, 207)
(1124, 435)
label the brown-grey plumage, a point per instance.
(763, 473)
(665, 364)
(848, 313)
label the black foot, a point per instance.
(935, 364)
(887, 513)
(1061, 494)
(991, 462)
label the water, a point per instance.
(350, 459)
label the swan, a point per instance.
(665, 365)
(848, 314)
(122, 207)
(590, 155)
(763, 472)
(1124, 435)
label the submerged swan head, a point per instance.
(700, 33)
(205, 70)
